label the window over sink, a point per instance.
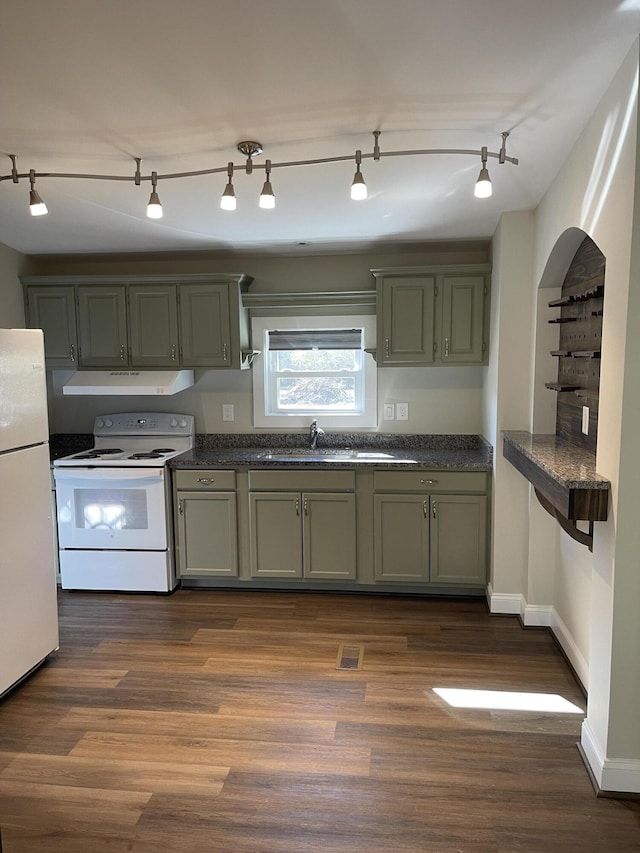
(314, 367)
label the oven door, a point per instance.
(111, 508)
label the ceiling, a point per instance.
(89, 85)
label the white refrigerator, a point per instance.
(28, 607)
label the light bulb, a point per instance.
(36, 206)
(358, 187)
(154, 208)
(483, 188)
(267, 199)
(228, 199)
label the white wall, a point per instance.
(593, 599)
(12, 264)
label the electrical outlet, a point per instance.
(227, 412)
(389, 413)
(585, 420)
(402, 411)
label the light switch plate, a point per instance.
(585, 420)
(402, 411)
(227, 412)
(389, 412)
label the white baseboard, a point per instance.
(500, 602)
(575, 656)
(612, 775)
(537, 615)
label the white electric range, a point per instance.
(113, 503)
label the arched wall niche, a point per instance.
(573, 313)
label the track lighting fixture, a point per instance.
(267, 199)
(228, 200)
(154, 208)
(250, 149)
(483, 188)
(358, 186)
(36, 206)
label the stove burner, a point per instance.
(90, 455)
(105, 451)
(151, 455)
(163, 450)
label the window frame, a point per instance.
(367, 418)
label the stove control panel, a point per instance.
(144, 423)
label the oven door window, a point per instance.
(111, 509)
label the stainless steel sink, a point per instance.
(328, 454)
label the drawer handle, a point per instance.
(446, 347)
(173, 352)
(297, 506)
(306, 506)
(122, 356)
(433, 512)
(429, 482)
(424, 509)
(72, 352)
(181, 507)
(224, 352)
(386, 347)
(206, 481)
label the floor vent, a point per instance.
(350, 657)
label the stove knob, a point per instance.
(183, 422)
(108, 422)
(174, 423)
(99, 423)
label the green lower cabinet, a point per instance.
(207, 543)
(308, 535)
(458, 539)
(430, 539)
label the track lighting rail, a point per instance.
(252, 148)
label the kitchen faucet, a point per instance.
(314, 432)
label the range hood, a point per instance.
(128, 382)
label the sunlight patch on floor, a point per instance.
(503, 700)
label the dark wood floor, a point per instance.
(217, 721)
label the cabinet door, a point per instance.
(205, 325)
(329, 536)
(153, 325)
(102, 316)
(406, 321)
(207, 534)
(276, 534)
(53, 309)
(462, 320)
(401, 538)
(459, 539)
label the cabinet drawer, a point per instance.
(430, 481)
(203, 479)
(302, 481)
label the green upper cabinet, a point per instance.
(214, 325)
(432, 315)
(153, 325)
(53, 309)
(405, 307)
(146, 322)
(102, 323)
(463, 308)
(206, 327)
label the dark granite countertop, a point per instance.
(570, 466)
(456, 452)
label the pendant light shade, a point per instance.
(483, 188)
(154, 208)
(36, 206)
(267, 199)
(228, 200)
(358, 185)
